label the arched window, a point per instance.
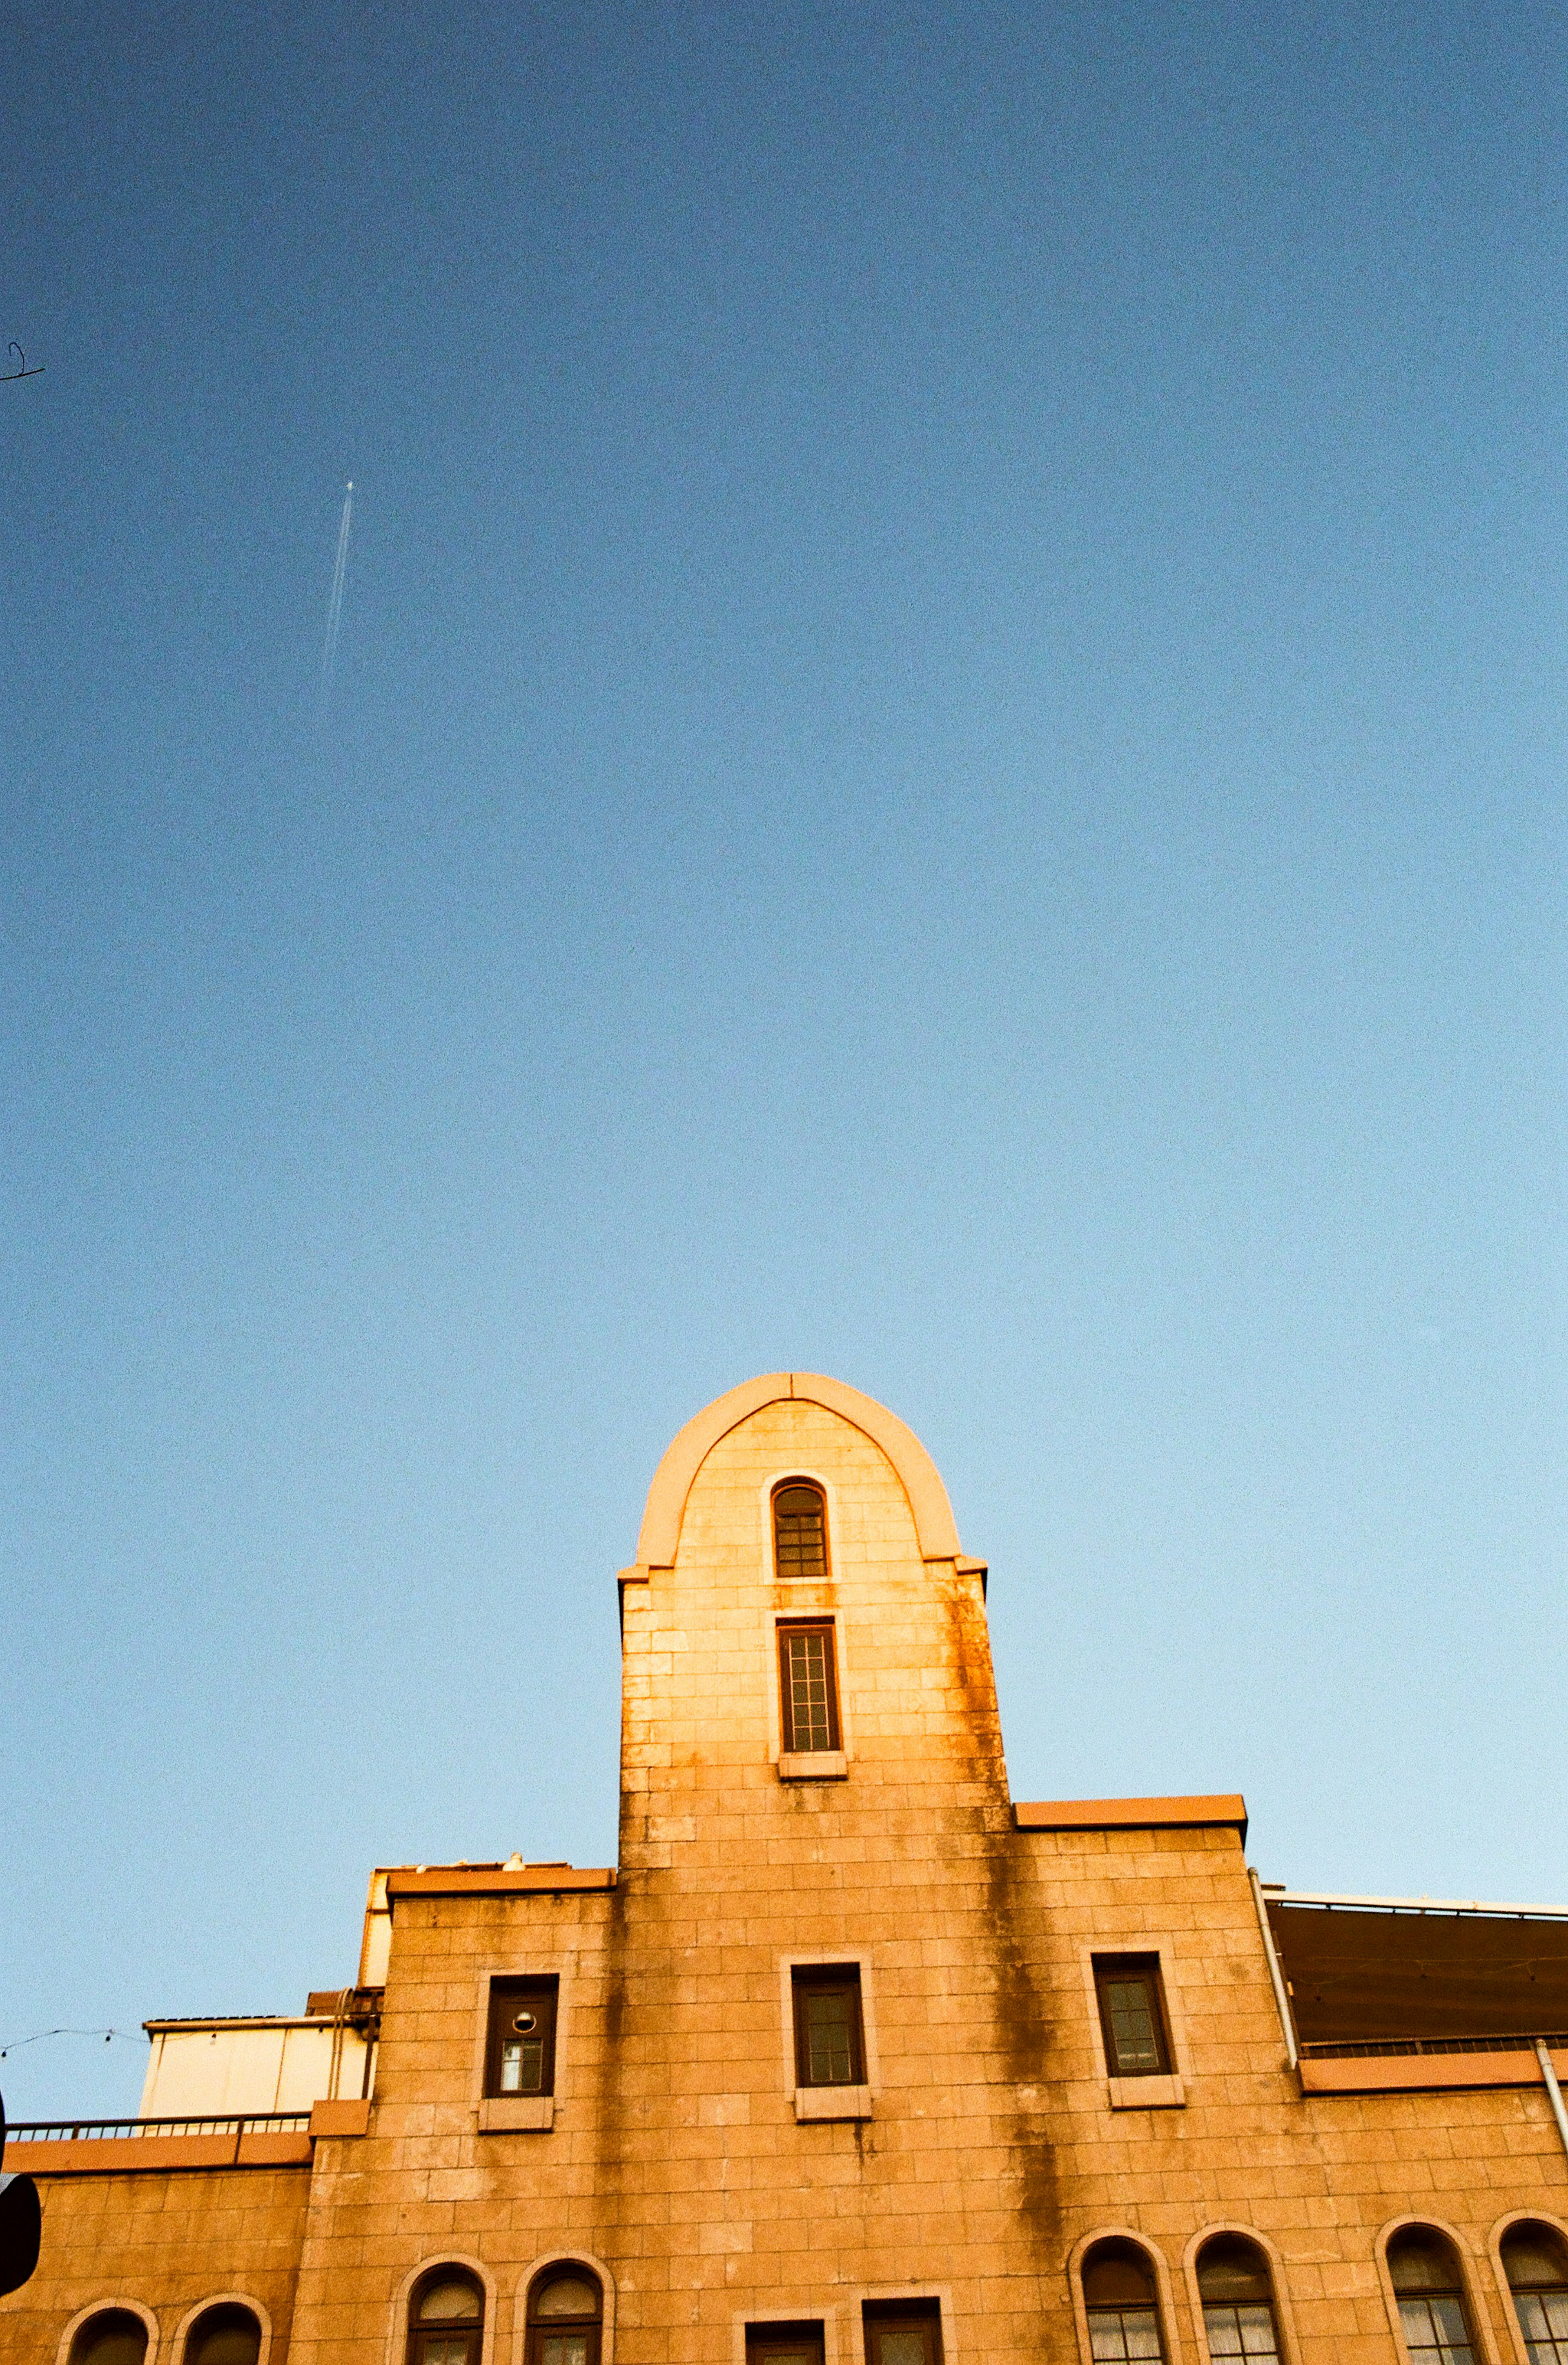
(565, 2309)
(800, 1530)
(447, 2321)
(1535, 2259)
(114, 2337)
(1423, 2267)
(1239, 2298)
(226, 2335)
(1120, 2301)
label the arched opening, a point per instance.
(226, 2335)
(1535, 2259)
(114, 2337)
(566, 2315)
(1424, 2268)
(446, 2323)
(1121, 2303)
(799, 1531)
(1237, 2294)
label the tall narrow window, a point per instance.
(566, 2315)
(226, 2334)
(114, 2337)
(902, 2332)
(1239, 2299)
(1122, 2304)
(800, 1530)
(1132, 2015)
(806, 1686)
(520, 2054)
(1535, 2259)
(1423, 2267)
(784, 2344)
(448, 2320)
(829, 2046)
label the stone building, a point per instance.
(851, 2057)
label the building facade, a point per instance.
(851, 2057)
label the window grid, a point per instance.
(1240, 2330)
(1134, 2036)
(1544, 2320)
(811, 1720)
(800, 1532)
(830, 2038)
(1119, 2333)
(1434, 2330)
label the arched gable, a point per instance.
(917, 1473)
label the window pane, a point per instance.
(799, 1532)
(1240, 2331)
(1134, 2036)
(1117, 2333)
(806, 1662)
(1435, 2331)
(442, 2303)
(117, 2338)
(231, 2336)
(444, 2348)
(830, 2043)
(903, 2349)
(522, 2065)
(564, 2349)
(567, 2295)
(1544, 2320)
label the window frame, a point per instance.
(227, 2306)
(1104, 1966)
(143, 2315)
(1517, 2220)
(505, 1987)
(476, 2330)
(1285, 2340)
(922, 2308)
(1462, 2289)
(817, 1576)
(536, 2329)
(806, 1979)
(1084, 2261)
(784, 1628)
(761, 2333)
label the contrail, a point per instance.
(335, 605)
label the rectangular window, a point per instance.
(1240, 2332)
(808, 1692)
(519, 2057)
(1132, 2015)
(783, 2344)
(1434, 2330)
(902, 2332)
(829, 2047)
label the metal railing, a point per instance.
(239, 2123)
(1393, 2048)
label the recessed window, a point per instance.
(1239, 2299)
(448, 2325)
(114, 2337)
(1132, 2015)
(1423, 2267)
(566, 2316)
(799, 1531)
(1122, 2303)
(808, 1686)
(226, 2334)
(784, 2344)
(1535, 2259)
(830, 2048)
(521, 2055)
(902, 2332)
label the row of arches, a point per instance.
(1124, 2314)
(565, 2318)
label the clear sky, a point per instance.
(946, 765)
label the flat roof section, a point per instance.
(1219, 1810)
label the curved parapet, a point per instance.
(916, 1472)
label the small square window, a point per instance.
(519, 2057)
(1132, 2015)
(808, 1686)
(830, 2048)
(783, 2344)
(902, 2332)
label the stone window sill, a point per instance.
(832, 2103)
(813, 1766)
(515, 2114)
(1147, 2094)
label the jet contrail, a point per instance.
(335, 605)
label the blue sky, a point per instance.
(944, 766)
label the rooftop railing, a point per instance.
(265, 2122)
